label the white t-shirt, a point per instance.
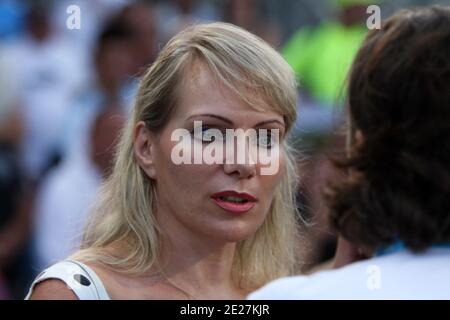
(62, 207)
(399, 275)
(49, 76)
(68, 191)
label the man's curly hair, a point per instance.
(399, 102)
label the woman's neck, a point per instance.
(199, 267)
(196, 262)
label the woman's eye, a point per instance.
(207, 134)
(266, 139)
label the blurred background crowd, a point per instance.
(65, 93)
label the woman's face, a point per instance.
(188, 199)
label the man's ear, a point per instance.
(144, 146)
(359, 138)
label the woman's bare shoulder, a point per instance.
(52, 289)
(123, 286)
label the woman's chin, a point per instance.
(235, 233)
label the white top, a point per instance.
(62, 207)
(68, 191)
(399, 275)
(81, 279)
(48, 79)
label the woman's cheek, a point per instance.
(277, 169)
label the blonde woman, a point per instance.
(165, 230)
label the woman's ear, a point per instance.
(144, 145)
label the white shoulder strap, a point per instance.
(81, 279)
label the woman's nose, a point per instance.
(242, 162)
(243, 171)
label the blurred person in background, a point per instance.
(321, 56)
(319, 238)
(176, 15)
(113, 63)
(140, 18)
(49, 73)
(68, 190)
(94, 15)
(16, 196)
(248, 15)
(394, 204)
(80, 172)
(139, 23)
(12, 18)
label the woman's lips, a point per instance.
(231, 206)
(234, 207)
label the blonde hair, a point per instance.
(123, 213)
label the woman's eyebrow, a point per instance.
(231, 122)
(212, 116)
(270, 121)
